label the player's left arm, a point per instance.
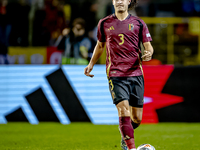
(148, 51)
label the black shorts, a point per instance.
(127, 88)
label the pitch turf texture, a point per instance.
(86, 136)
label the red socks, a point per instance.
(127, 131)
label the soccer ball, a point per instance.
(146, 147)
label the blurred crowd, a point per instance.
(70, 25)
(59, 23)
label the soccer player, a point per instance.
(122, 33)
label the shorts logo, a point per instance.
(130, 27)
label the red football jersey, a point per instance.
(122, 44)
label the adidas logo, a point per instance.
(111, 28)
(126, 137)
(41, 107)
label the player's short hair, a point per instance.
(133, 4)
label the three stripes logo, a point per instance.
(111, 28)
(42, 108)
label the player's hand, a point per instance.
(147, 56)
(87, 71)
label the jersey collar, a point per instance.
(129, 15)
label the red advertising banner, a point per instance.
(54, 56)
(155, 78)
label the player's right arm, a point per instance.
(98, 50)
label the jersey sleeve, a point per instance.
(146, 36)
(100, 32)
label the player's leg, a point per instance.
(136, 100)
(120, 95)
(136, 116)
(125, 124)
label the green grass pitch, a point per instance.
(87, 136)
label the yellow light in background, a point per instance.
(27, 55)
(194, 25)
(67, 11)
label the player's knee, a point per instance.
(123, 111)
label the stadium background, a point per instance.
(35, 87)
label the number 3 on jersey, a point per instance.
(121, 38)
